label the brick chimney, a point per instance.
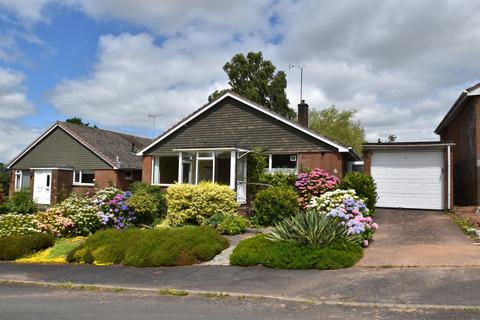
(303, 113)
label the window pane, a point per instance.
(284, 162)
(188, 163)
(76, 175)
(18, 180)
(168, 170)
(48, 181)
(26, 176)
(156, 170)
(205, 154)
(205, 170)
(88, 177)
(222, 168)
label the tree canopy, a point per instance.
(3, 182)
(340, 125)
(79, 121)
(257, 79)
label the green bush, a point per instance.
(291, 255)
(274, 204)
(15, 246)
(364, 186)
(193, 204)
(227, 223)
(138, 185)
(311, 228)
(17, 224)
(149, 203)
(278, 179)
(150, 247)
(22, 202)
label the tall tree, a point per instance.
(79, 121)
(339, 125)
(257, 80)
(3, 182)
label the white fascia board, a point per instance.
(248, 103)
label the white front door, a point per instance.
(42, 186)
(409, 179)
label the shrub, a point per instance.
(15, 246)
(52, 222)
(148, 203)
(310, 228)
(17, 224)
(257, 161)
(113, 210)
(313, 184)
(274, 204)
(364, 186)
(278, 179)
(137, 186)
(293, 255)
(350, 216)
(227, 223)
(331, 200)
(21, 202)
(83, 213)
(193, 204)
(150, 247)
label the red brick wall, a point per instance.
(62, 181)
(367, 162)
(106, 178)
(11, 186)
(147, 169)
(333, 162)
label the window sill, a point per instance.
(76, 184)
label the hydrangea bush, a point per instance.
(331, 200)
(352, 215)
(17, 224)
(112, 208)
(313, 184)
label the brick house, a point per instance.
(211, 144)
(462, 126)
(70, 158)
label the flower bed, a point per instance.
(313, 184)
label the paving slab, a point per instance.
(419, 238)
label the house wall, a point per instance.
(463, 130)
(234, 124)
(59, 149)
(61, 185)
(333, 162)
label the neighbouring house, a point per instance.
(212, 144)
(411, 175)
(70, 158)
(462, 125)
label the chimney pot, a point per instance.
(303, 113)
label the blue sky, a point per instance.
(400, 64)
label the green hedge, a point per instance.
(16, 246)
(291, 255)
(150, 247)
(274, 204)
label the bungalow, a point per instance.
(211, 144)
(70, 158)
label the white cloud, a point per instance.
(13, 100)
(400, 63)
(31, 11)
(14, 139)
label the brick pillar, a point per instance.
(367, 162)
(147, 169)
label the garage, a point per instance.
(411, 175)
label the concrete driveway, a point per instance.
(419, 238)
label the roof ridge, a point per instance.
(99, 129)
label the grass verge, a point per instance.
(291, 255)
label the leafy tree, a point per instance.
(257, 80)
(79, 121)
(338, 125)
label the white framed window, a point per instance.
(22, 179)
(286, 163)
(83, 178)
(165, 170)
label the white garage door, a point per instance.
(409, 179)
